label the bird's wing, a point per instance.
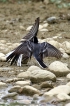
(50, 51)
(33, 31)
(21, 49)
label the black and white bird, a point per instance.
(30, 46)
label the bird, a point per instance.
(30, 46)
(14, 56)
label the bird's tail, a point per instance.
(12, 57)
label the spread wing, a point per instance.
(50, 51)
(16, 54)
(33, 31)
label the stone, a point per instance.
(2, 57)
(14, 89)
(31, 68)
(66, 46)
(24, 75)
(54, 43)
(46, 84)
(36, 74)
(14, 80)
(52, 20)
(63, 97)
(65, 56)
(68, 104)
(23, 83)
(59, 68)
(28, 28)
(58, 90)
(68, 84)
(22, 27)
(39, 75)
(44, 30)
(10, 95)
(29, 90)
(68, 76)
(62, 50)
(2, 84)
(45, 25)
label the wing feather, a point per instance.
(51, 51)
(21, 49)
(33, 32)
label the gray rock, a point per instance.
(59, 68)
(39, 75)
(52, 20)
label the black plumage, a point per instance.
(30, 46)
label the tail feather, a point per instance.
(12, 57)
(15, 58)
(9, 56)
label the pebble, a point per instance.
(52, 20)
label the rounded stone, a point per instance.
(59, 68)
